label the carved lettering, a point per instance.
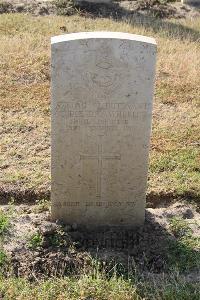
(102, 87)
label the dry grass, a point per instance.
(25, 100)
(98, 288)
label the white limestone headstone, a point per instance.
(102, 90)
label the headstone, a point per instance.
(102, 90)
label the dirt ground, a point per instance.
(115, 9)
(65, 249)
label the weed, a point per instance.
(180, 227)
(42, 205)
(183, 253)
(57, 239)
(35, 241)
(3, 258)
(99, 288)
(4, 222)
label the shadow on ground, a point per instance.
(147, 14)
(74, 251)
(154, 17)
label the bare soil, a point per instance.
(69, 249)
(116, 9)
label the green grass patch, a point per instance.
(4, 222)
(3, 258)
(183, 254)
(35, 241)
(178, 171)
(178, 291)
(184, 159)
(87, 287)
(180, 227)
(57, 239)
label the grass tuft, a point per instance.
(99, 288)
(35, 241)
(4, 222)
(184, 252)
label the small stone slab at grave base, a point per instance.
(102, 90)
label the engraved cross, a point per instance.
(100, 156)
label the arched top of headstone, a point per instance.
(102, 90)
(102, 35)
